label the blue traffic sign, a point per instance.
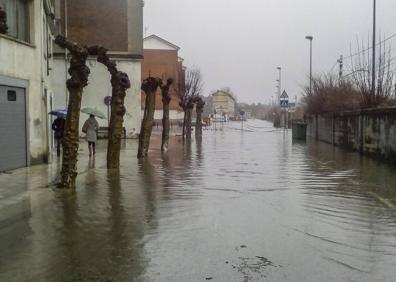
(284, 103)
(242, 113)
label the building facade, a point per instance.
(25, 85)
(161, 59)
(223, 103)
(116, 25)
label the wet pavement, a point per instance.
(240, 206)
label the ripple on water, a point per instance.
(324, 214)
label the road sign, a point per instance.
(284, 103)
(242, 113)
(284, 96)
(107, 100)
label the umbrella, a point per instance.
(93, 111)
(59, 113)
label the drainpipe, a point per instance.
(66, 54)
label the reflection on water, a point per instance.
(237, 205)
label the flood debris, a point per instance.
(252, 267)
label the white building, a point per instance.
(122, 34)
(25, 86)
(99, 87)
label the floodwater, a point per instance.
(240, 206)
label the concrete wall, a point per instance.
(371, 132)
(28, 62)
(99, 86)
(173, 115)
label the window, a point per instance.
(11, 96)
(17, 18)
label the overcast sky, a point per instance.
(239, 43)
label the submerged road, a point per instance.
(241, 206)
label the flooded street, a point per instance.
(240, 206)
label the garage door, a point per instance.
(13, 147)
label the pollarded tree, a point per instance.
(188, 117)
(166, 98)
(79, 73)
(200, 105)
(193, 88)
(120, 83)
(149, 86)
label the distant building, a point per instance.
(25, 86)
(224, 103)
(116, 25)
(161, 59)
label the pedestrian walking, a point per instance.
(90, 128)
(58, 126)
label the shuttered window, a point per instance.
(17, 18)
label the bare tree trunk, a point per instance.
(120, 83)
(188, 123)
(79, 73)
(165, 119)
(184, 124)
(149, 86)
(198, 126)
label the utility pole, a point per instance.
(374, 43)
(341, 62)
(280, 84)
(310, 38)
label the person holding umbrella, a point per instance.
(90, 128)
(58, 126)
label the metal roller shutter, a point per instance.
(13, 147)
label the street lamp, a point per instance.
(280, 83)
(374, 43)
(310, 38)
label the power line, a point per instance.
(379, 43)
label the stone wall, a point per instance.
(371, 132)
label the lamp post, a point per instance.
(374, 43)
(279, 84)
(310, 38)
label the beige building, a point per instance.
(25, 85)
(223, 103)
